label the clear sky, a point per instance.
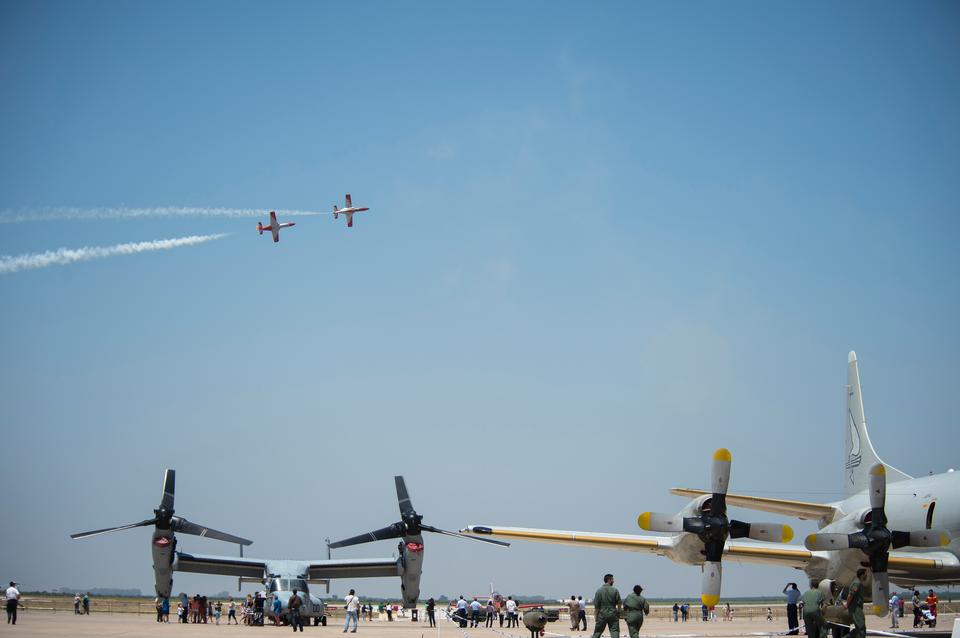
(605, 239)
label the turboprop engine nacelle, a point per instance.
(411, 568)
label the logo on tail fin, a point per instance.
(855, 457)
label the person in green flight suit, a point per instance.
(606, 607)
(635, 606)
(814, 601)
(854, 605)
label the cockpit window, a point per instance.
(289, 584)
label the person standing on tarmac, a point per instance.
(583, 612)
(574, 608)
(635, 607)
(854, 605)
(814, 601)
(353, 610)
(606, 608)
(293, 608)
(431, 612)
(13, 599)
(793, 597)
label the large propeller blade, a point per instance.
(826, 542)
(96, 532)
(712, 527)
(875, 540)
(184, 526)
(164, 519)
(411, 524)
(396, 530)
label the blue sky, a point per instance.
(604, 240)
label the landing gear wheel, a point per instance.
(323, 621)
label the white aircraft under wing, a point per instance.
(858, 530)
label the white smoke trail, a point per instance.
(62, 256)
(97, 214)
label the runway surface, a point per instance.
(37, 623)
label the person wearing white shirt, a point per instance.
(13, 599)
(353, 607)
(512, 620)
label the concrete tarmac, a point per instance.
(41, 623)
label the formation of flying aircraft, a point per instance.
(348, 210)
(274, 226)
(863, 529)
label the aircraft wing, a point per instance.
(796, 509)
(223, 565)
(770, 554)
(677, 548)
(671, 546)
(627, 542)
(353, 568)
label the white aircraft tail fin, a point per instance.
(860, 455)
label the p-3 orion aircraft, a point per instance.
(860, 530)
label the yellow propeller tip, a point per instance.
(878, 470)
(644, 520)
(810, 541)
(710, 600)
(723, 454)
(879, 609)
(944, 540)
(787, 533)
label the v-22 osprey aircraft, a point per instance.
(281, 576)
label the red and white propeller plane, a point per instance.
(348, 211)
(275, 226)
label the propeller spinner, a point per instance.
(163, 518)
(410, 524)
(875, 540)
(713, 527)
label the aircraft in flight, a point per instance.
(859, 530)
(349, 210)
(280, 576)
(274, 226)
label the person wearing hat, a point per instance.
(13, 599)
(635, 607)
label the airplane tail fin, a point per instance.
(860, 455)
(336, 211)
